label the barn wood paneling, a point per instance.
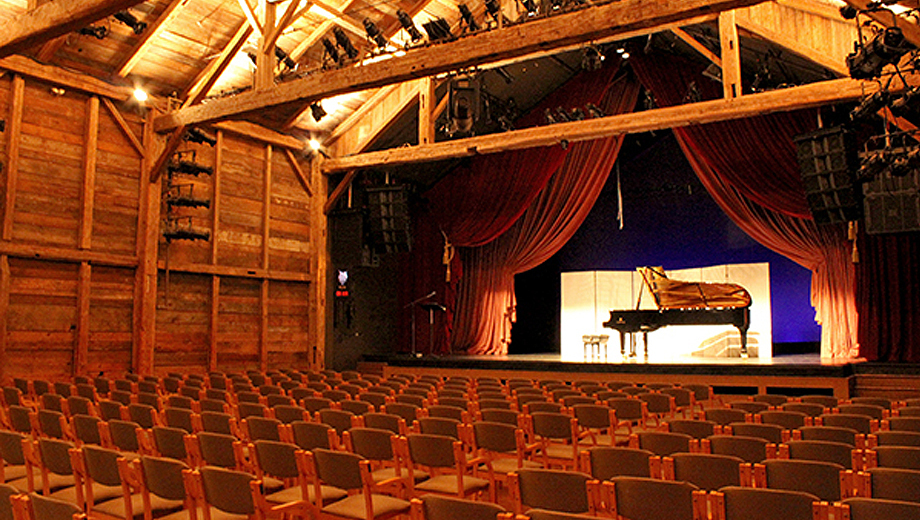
(78, 182)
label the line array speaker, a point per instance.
(389, 223)
(828, 161)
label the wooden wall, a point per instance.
(84, 286)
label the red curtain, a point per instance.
(479, 203)
(486, 304)
(750, 168)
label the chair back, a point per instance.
(640, 498)
(556, 490)
(227, 490)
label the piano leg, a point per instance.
(623, 343)
(743, 329)
(645, 343)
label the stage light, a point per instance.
(467, 16)
(131, 21)
(315, 145)
(331, 51)
(870, 106)
(848, 12)
(562, 115)
(316, 110)
(550, 118)
(140, 95)
(374, 34)
(98, 32)
(577, 114)
(906, 102)
(873, 165)
(595, 110)
(194, 135)
(284, 58)
(438, 29)
(494, 9)
(592, 58)
(530, 6)
(885, 48)
(406, 21)
(342, 40)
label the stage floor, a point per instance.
(791, 375)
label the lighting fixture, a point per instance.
(592, 58)
(374, 34)
(315, 145)
(467, 16)
(131, 21)
(285, 58)
(438, 30)
(342, 40)
(195, 135)
(530, 6)
(331, 51)
(99, 31)
(595, 110)
(885, 48)
(406, 21)
(870, 106)
(550, 118)
(140, 95)
(316, 109)
(494, 9)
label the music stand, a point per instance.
(412, 305)
(431, 307)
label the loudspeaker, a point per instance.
(346, 232)
(388, 222)
(828, 162)
(892, 204)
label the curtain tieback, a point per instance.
(448, 256)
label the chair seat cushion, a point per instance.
(100, 493)
(13, 472)
(558, 451)
(217, 514)
(387, 473)
(158, 506)
(447, 484)
(293, 494)
(354, 507)
(505, 466)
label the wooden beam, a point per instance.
(286, 19)
(215, 195)
(214, 323)
(68, 255)
(50, 48)
(339, 191)
(557, 31)
(815, 7)
(13, 131)
(427, 100)
(319, 237)
(90, 145)
(145, 297)
(731, 55)
(261, 134)
(393, 113)
(64, 78)
(251, 16)
(150, 35)
(81, 343)
(4, 312)
(266, 61)
(54, 19)
(266, 204)
(359, 114)
(697, 46)
(782, 100)
(238, 272)
(123, 125)
(172, 144)
(298, 172)
(311, 39)
(203, 83)
(341, 19)
(791, 44)
(263, 326)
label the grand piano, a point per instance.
(682, 303)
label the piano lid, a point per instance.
(676, 294)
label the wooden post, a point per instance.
(4, 308)
(426, 103)
(731, 55)
(265, 59)
(214, 323)
(81, 345)
(90, 144)
(266, 230)
(263, 326)
(145, 298)
(319, 237)
(14, 130)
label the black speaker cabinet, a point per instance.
(892, 204)
(388, 222)
(828, 162)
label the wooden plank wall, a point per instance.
(72, 215)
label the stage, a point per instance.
(789, 375)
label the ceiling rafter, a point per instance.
(53, 19)
(697, 46)
(203, 83)
(781, 100)
(286, 20)
(150, 35)
(489, 46)
(251, 17)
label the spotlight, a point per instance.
(342, 40)
(693, 93)
(871, 105)
(905, 163)
(467, 16)
(562, 115)
(577, 114)
(906, 103)
(530, 6)
(873, 165)
(140, 95)
(284, 58)
(131, 21)
(374, 34)
(464, 102)
(848, 12)
(592, 58)
(595, 110)
(315, 145)
(406, 21)
(438, 29)
(331, 51)
(550, 118)
(886, 47)
(194, 135)
(494, 9)
(99, 32)
(316, 109)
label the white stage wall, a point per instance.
(589, 296)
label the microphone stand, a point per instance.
(412, 304)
